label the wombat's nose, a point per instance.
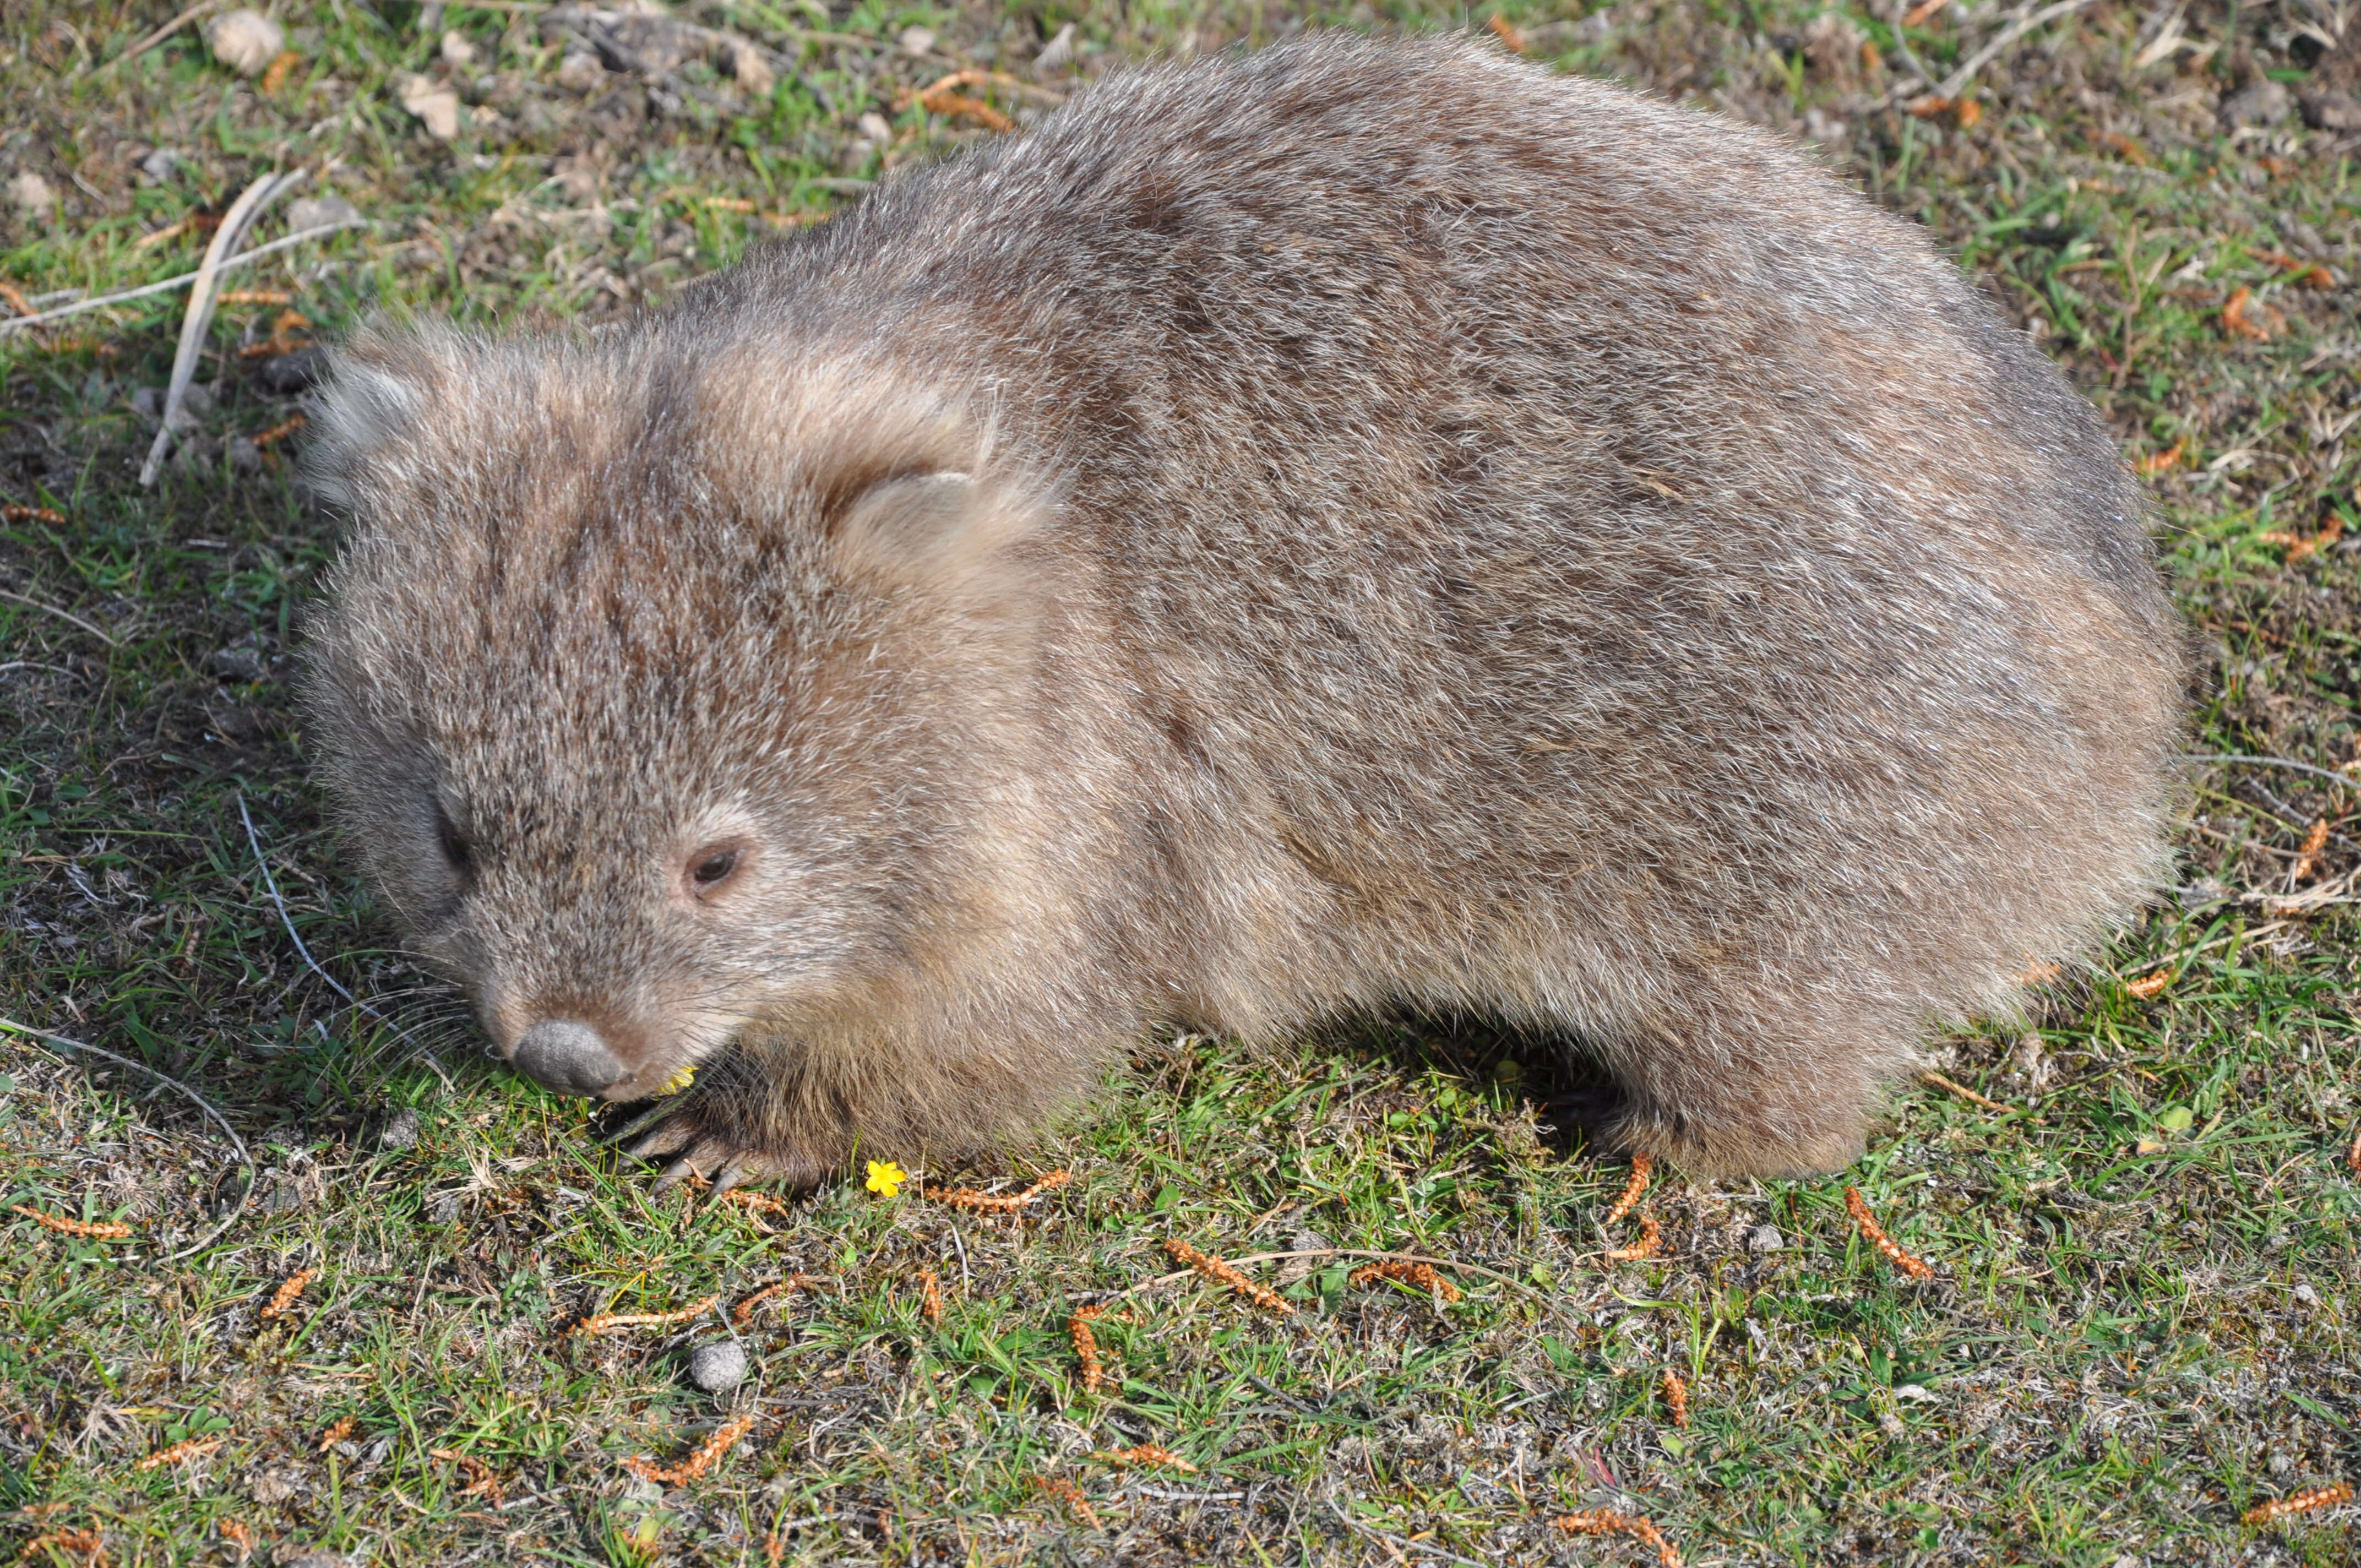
(568, 1057)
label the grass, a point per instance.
(2143, 1316)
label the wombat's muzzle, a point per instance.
(568, 1057)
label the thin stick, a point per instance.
(2301, 1503)
(1914, 1266)
(160, 34)
(1510, 1280)
(269, 882)
(249, 207)
(1640, 1166)
(1964, 1093)
(201, 1103)
(240, 259)
(2329, 774)
(1909, 57)
(61, 615)
(1958, 81)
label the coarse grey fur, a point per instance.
(1354, 526)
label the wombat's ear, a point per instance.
(938, 530)
(380, 388)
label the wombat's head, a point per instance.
(649, 683)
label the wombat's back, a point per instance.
(1511, 544)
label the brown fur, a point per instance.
(1360, 525)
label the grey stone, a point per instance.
(313, 212)
(1765, 1238)
(719, 1368)
(2266, 102)
(2332, 112)
(400, 1132)
(243, 661)
(286, 374)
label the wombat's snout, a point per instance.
(568, 1057)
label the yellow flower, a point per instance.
(886, 1177)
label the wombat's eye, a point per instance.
(708, 868)
(453, 844)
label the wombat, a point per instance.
(1360, 526)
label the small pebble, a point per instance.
(33, 195)
(2331, 111)
(245, 40)
(719, 1368)
(283, 374)
(401, 1132)
(313, 212)
(2267, 103)
(435, 108)
(1765, 1238)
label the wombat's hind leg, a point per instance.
(1768, 1104)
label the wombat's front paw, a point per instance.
(706, 1145)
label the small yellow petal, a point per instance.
(886, 1177)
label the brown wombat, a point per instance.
(1356, 526)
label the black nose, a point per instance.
(568, 1057)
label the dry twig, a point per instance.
(939, 99)
(482, 1480)
(996, 1202)
(84, 1544)
(2302, 1502)
(2308, 861)
(1213, 1268)
(240, 259)
(89, 1229)
(187, 1448)
(1965, 113)
(284, 428)
(1066, 1492)
(1963, 1092)
(1651, 1242)
(288, 1292)
(2242, 317)
(1422, 1275)
(1147, 1453)
(1607, 1521)
(743, 1313)
(1857, 1207)
(723, 1439)
(755, 1202)
(600, 1322)
(204, 296)
(1640, 1165)
(1086, 1348)
(65, 614)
